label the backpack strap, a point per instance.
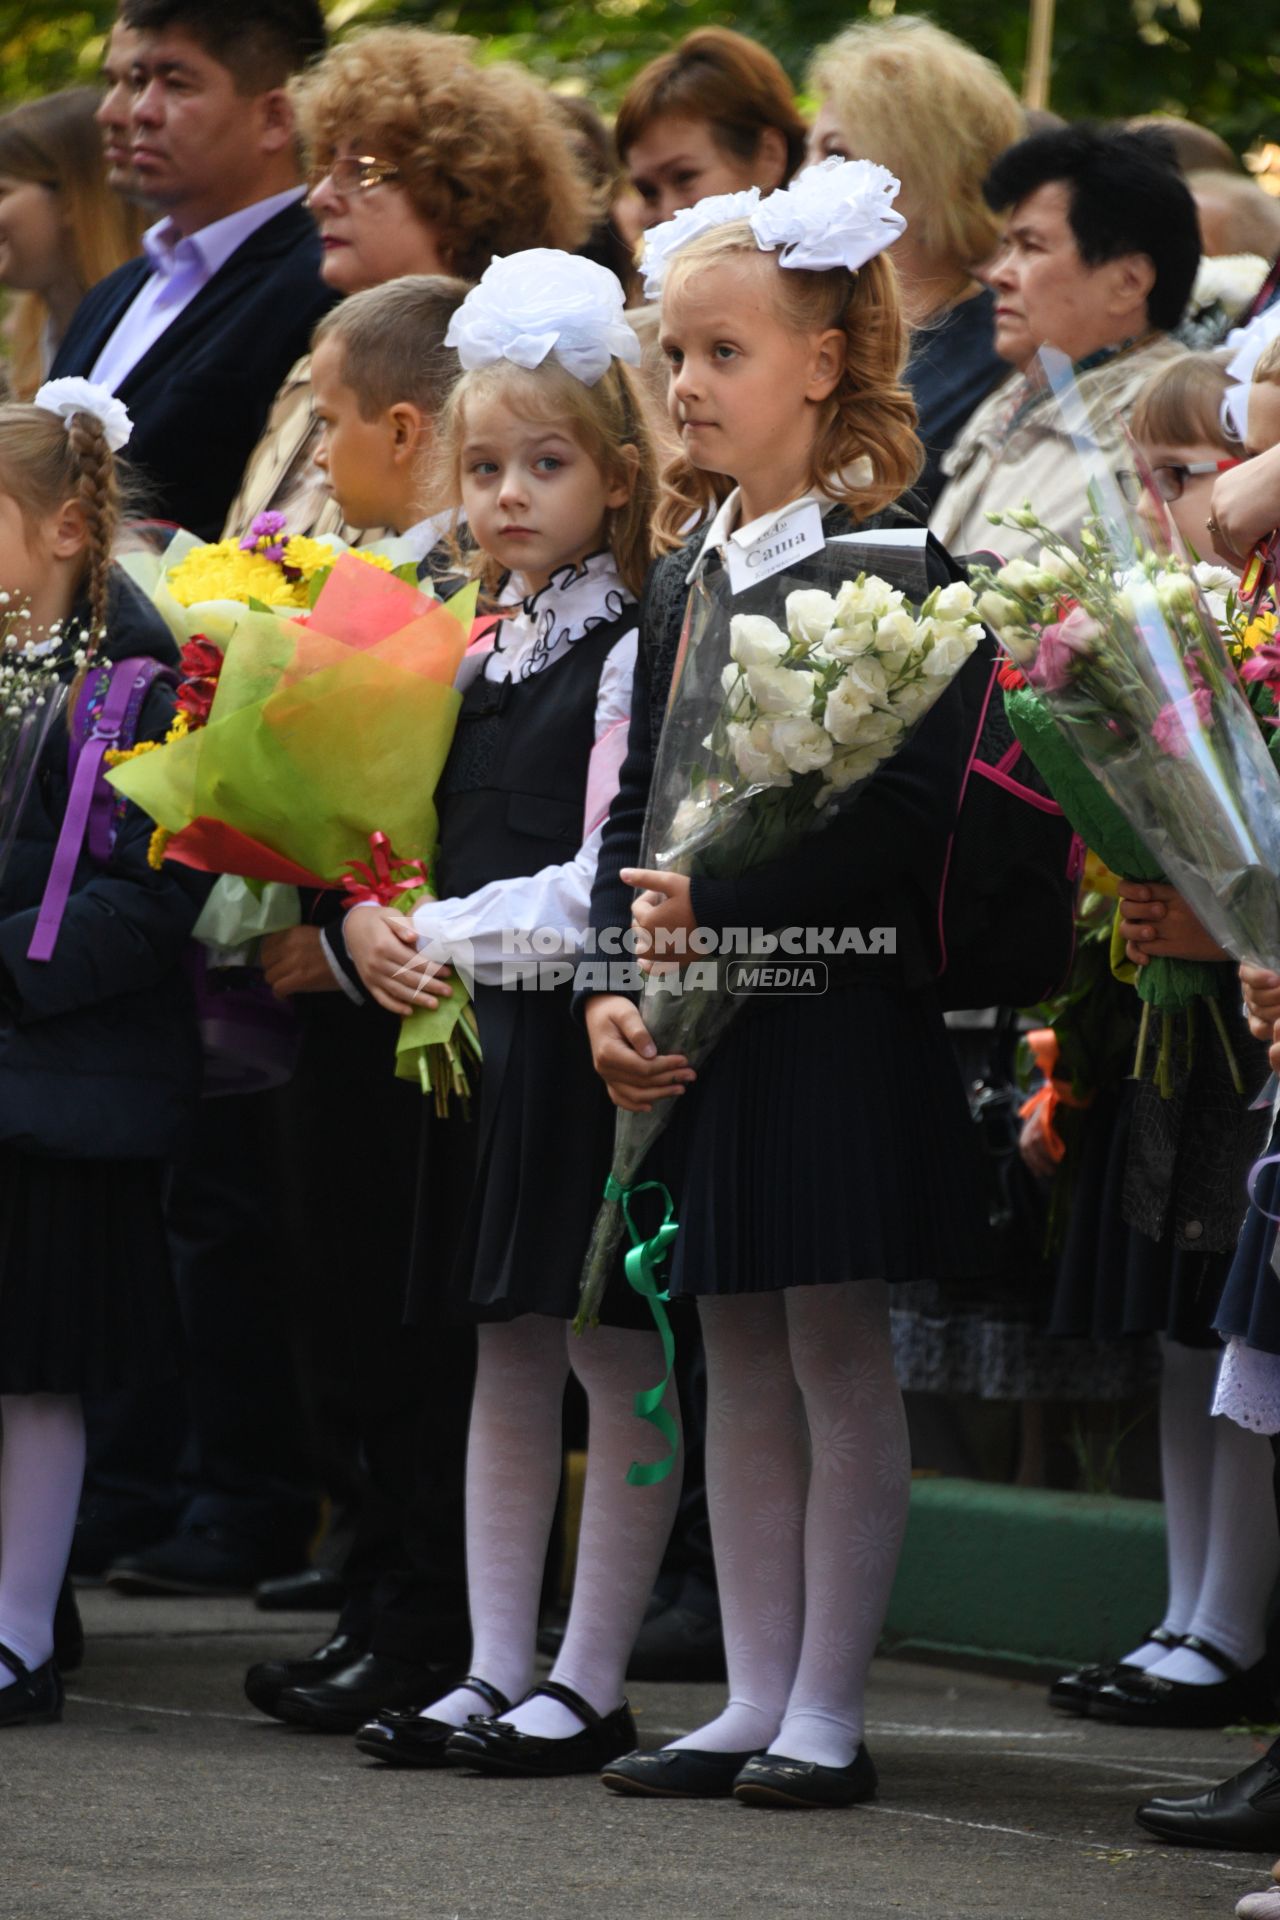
(91, 802)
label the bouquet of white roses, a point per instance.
(785, 701)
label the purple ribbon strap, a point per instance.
(91, 804)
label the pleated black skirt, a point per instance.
(1250, 1304)
(87, 1302)
(828, 1139)
(506, 1202)
(1113, 1279)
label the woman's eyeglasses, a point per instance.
(1170, 480)
(353, 173)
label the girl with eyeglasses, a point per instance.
(1179, 425)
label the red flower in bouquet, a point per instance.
(201, 664)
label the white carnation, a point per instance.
(868, 675)
(801, 742)
(914, 699)
(755, 641)
(781, 689)
(953, 602)
(1020, 576)
(848, 704)
(1001, 614)
(809, 614)
(756, 756)
(951, 648)
(849, 642)
(866, 598)
(1059, 566)
(899, 637)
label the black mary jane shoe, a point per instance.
(401, 1737)
(1145, 1700)
(495, 1746)
(35, 1697)
(771, 1780)
(1075, 1692)
(676, 1773)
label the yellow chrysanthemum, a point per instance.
(224, 571)
(306, 555)
(156, 846)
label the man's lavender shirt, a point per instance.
(180, 267)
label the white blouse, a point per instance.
(482, 924)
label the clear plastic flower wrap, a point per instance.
(786, 698)
(1151, 726)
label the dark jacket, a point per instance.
(879, 862)
(99, 1049)
(201, 394)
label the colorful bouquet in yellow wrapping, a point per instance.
(318, 761)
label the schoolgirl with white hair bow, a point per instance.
(99, 1052)
(825, 1148)
(546, 447)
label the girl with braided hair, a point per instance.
(99, 1051)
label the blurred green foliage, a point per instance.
(1213, 60)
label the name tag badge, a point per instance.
(789, 539)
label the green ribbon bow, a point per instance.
(639, 1265)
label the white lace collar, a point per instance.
(574, 602)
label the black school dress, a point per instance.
(512, 803)
(99, 1075)
(827, 1139)
(1160, 1195)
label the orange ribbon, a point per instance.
(376, 881)
(1050, 1094)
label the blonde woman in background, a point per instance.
(915, 99)
(62, 228)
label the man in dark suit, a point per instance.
(197, 335)
(195, 338)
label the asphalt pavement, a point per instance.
(164, 1796)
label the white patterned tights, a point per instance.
(513, 1476)
(808, 1478)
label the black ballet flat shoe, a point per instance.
(771, 1780)
(1243, 1813)
(676, 1773)
(35, 1697)
(495, 1746)
(266, 1680)
(1143, 1700)
(399, 1737)
(1076, 1692)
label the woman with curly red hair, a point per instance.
(414, 154)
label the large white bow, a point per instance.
(544, 303)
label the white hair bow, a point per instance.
(661, 242)
(837, 214)
(545, 304)
(66, 398)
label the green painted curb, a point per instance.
(1018, 1575)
